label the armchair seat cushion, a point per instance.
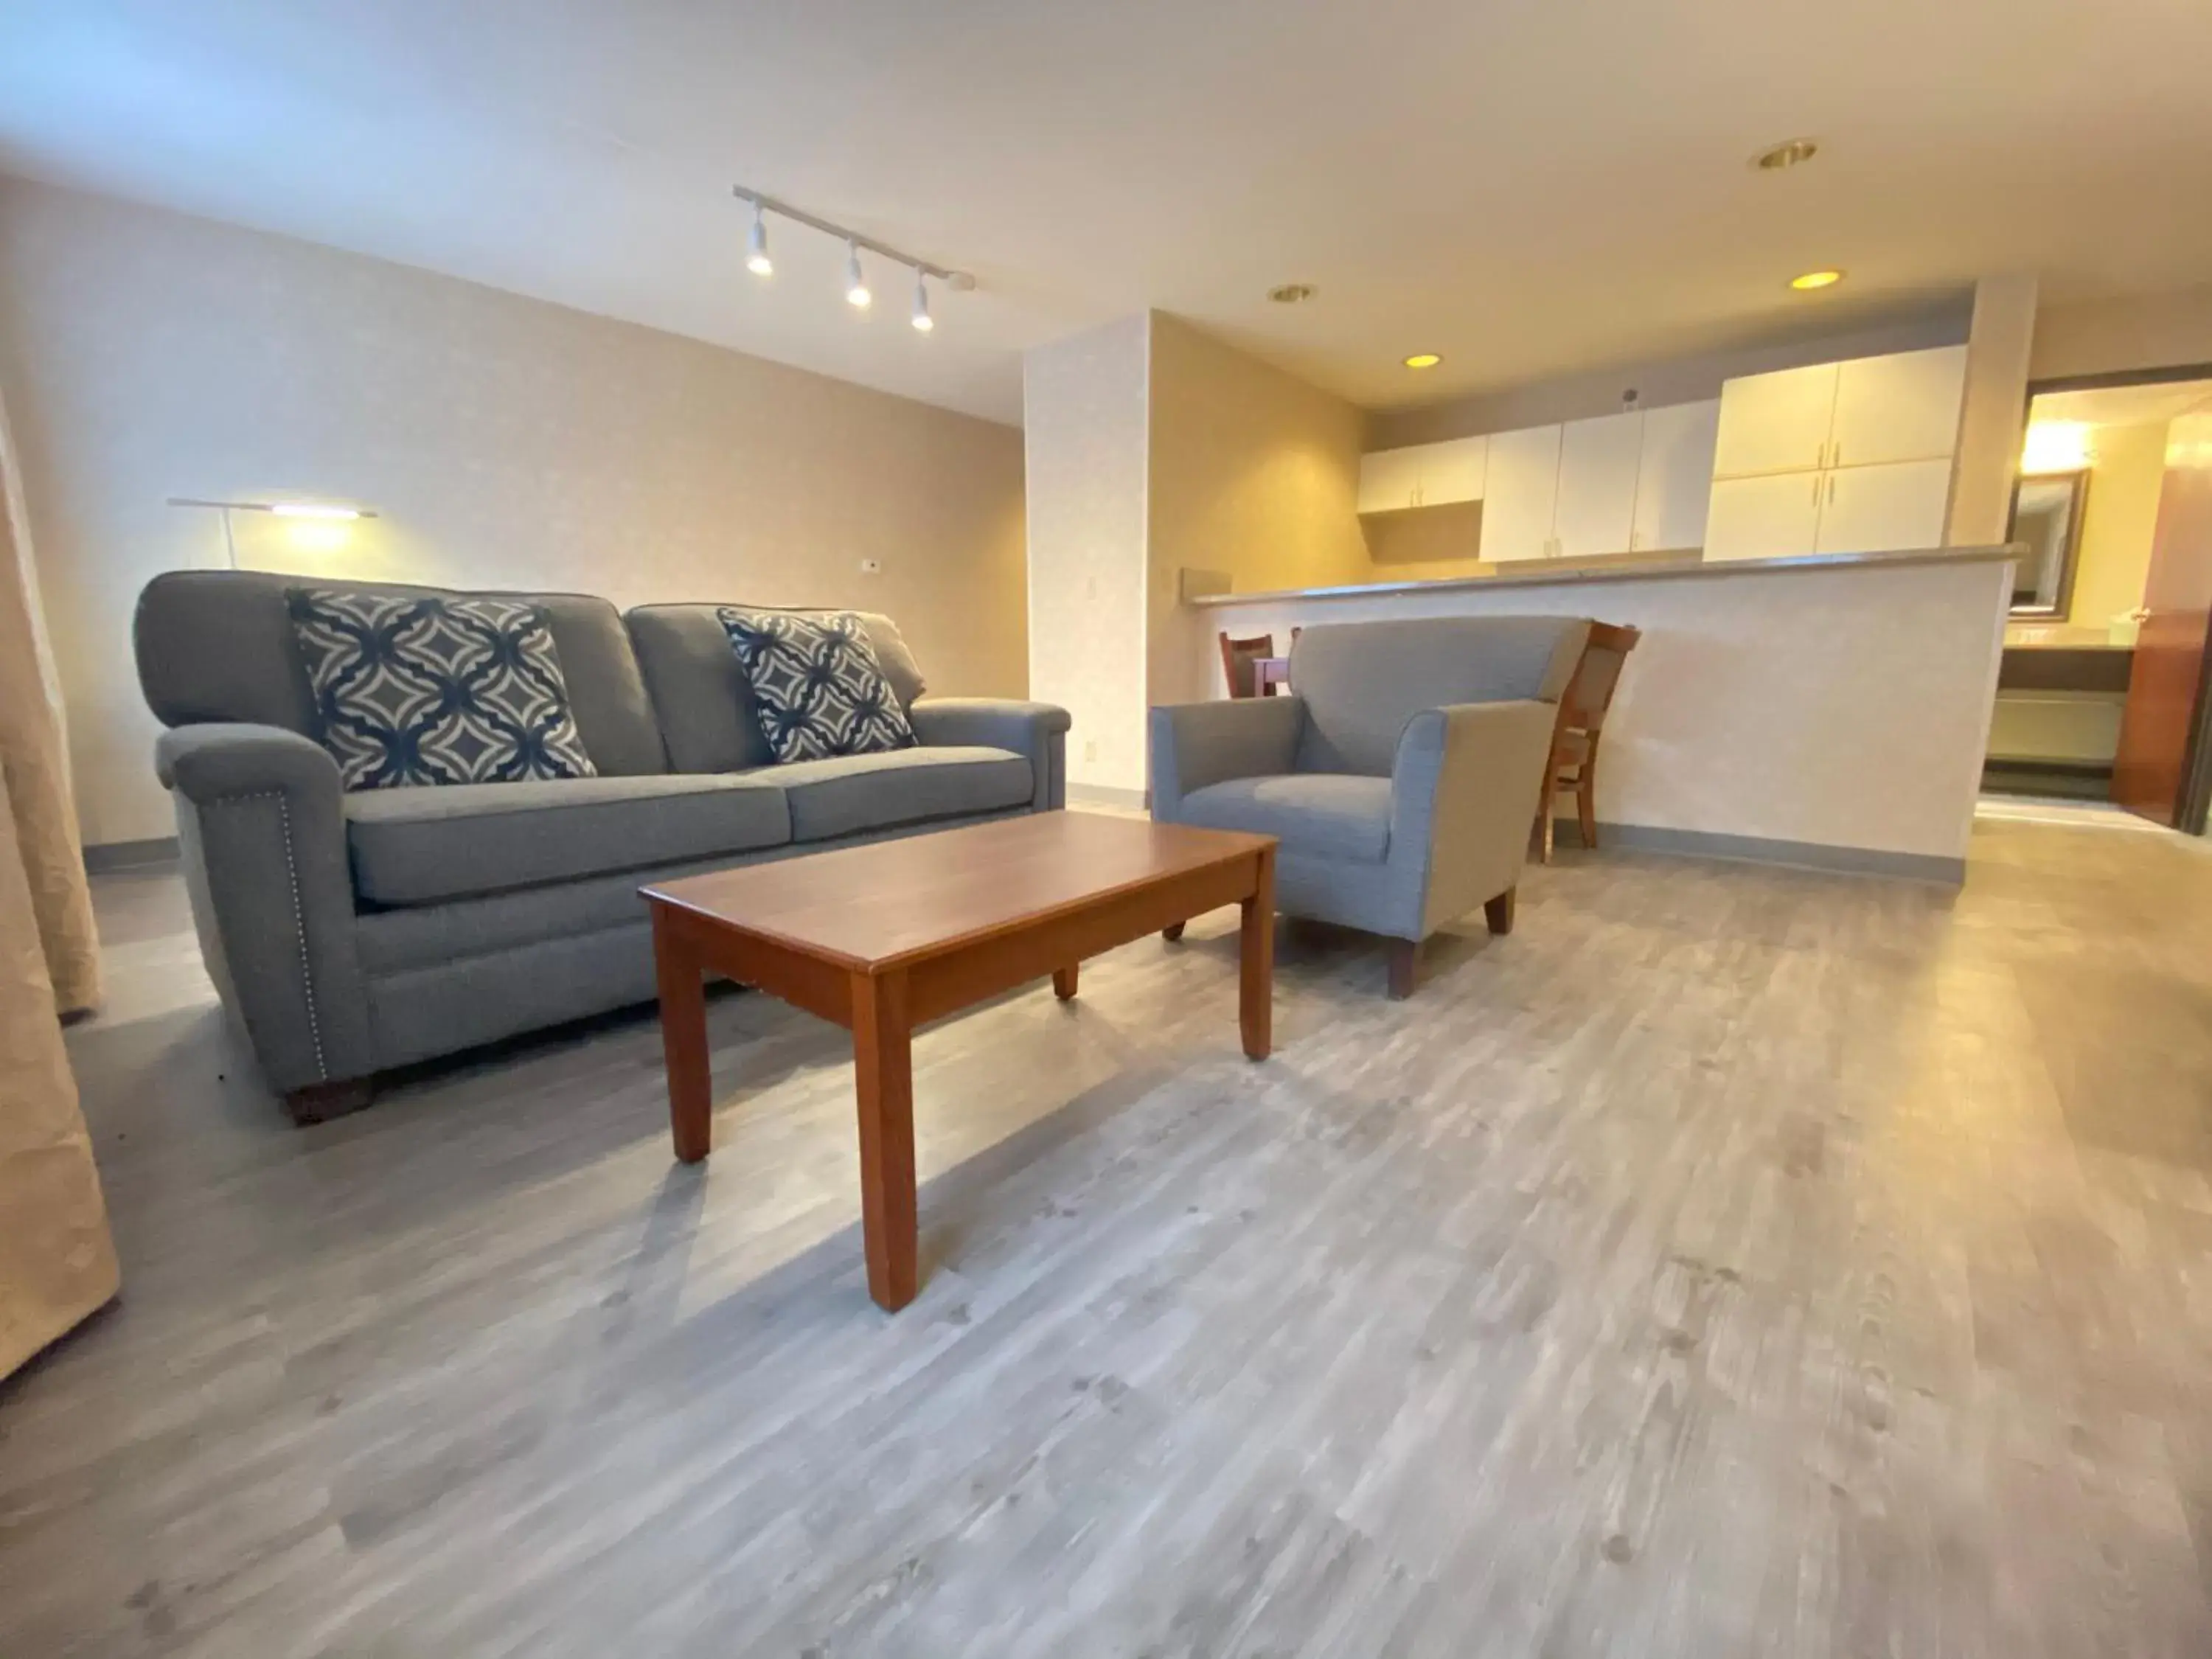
(1330, 815)
(424, 845)
(848, 794)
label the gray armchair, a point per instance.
(1400, 778)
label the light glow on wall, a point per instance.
(2056, 446)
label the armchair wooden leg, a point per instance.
(1404, 967)
(1586, 808)
(1499, 912)
(318, 1103)
(1172, 932)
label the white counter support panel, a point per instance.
(1826, 712)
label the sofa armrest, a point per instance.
(1197, 744)
(1037, 731)
(261, 819)
(1465, 786)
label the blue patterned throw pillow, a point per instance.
(426, 689)
(817, 685)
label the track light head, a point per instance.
(756, 259)
(856, 283)
(923, 321)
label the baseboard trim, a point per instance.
(1759, 849)
(129, 854)
(1100, 794)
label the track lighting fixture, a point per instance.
(857, 292)
(756, 259)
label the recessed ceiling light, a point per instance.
(1422, 360)
(1791, 152)
(1817, 279)
(1291, 294)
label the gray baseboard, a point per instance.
(1100, 794)
(1757, 849)
(129, 854)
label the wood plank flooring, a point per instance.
(1730, 1262)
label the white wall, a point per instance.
(505, 442)
(1846, 707)
(1085, 426)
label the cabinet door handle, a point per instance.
(1817, 477)
(1838, 461)
(1832, 489)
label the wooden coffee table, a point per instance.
(882, 938)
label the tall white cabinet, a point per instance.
(1852, 457)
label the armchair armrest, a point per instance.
(1037, 731)
(1465, 786)
(1197, 744)
(261, 819)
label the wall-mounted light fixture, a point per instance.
(325, 510)
(858, 294)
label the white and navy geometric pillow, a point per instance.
(421, 688)
(817, 685)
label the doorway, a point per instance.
(2102, 692)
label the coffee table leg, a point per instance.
(883, 1069)
(683, 1041)
(1063, 981)
(1255, 986)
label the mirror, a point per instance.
(2047, 515)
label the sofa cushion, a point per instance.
(428, 689)
(423, 845)
(217, 645)
(705, 704)
(818, 689)
(1330, 815)
(851, 793)
(1361, 681)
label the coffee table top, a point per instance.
(889, 902)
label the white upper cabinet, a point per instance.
(1390, 480)
(1904, 407)
(1453, 471)
(1886, 508)
(1422, 474)
(1776, 423)
(1596, 506)
(1775, 516)
(1519, 494)
(1674, 476)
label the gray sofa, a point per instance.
(1400, 778)
(349, 933)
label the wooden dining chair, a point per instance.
(1239, 660)
(1573, 765)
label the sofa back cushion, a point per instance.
(1361, 681)
(217, 645)
(704, 701)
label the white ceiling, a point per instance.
(1531, 186)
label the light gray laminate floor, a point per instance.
(1732, 1261)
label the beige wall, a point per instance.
(1084, 424)
(1993, 412)
(505, 442)
(2118, 519)
(1846, 707)
(2104, 337)
(1255, 474)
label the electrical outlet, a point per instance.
(871, 567)
(1090, 749)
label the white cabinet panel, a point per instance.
(1674, 476)
(1390, 480)
(1902, 407)
(1519, 494)
(1883, 509)
(1452, 472)
(1775, 517)
(1597, 485)
(1775, 422)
